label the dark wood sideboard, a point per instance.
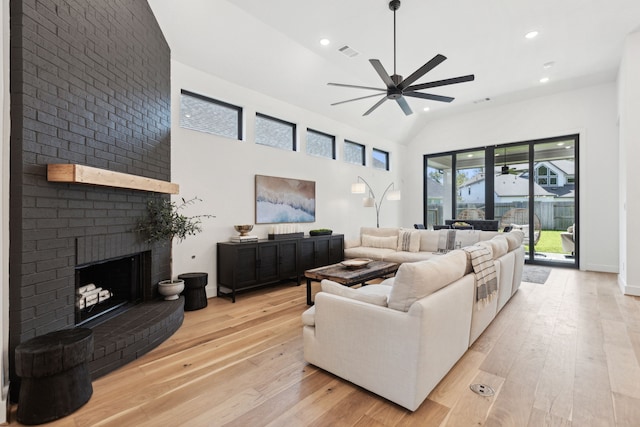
(242, 266)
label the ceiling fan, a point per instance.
(396, 87)
(505, 169)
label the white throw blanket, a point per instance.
(485, 272)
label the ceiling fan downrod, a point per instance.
(394, 5)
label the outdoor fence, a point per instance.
(555, 215)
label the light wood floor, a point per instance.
(566, 353)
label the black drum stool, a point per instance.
(55, 379)
(195, 296)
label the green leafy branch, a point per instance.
(165, 222)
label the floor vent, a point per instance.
(482, 389)
(348, 51)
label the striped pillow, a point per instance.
(409, 241)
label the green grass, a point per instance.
(550, 242)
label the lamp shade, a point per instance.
(358, 188)
(393, 195)
(368, 202)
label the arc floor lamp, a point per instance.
(361, 186)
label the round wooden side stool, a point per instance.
(195, 296)
(54, 372)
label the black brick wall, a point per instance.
(90, 84)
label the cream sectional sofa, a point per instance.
(408, 245)
(398, 339)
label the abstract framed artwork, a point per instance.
(282, 200)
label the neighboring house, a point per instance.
(553, 179)
(557, 173)
(508, 189)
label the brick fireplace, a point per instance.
(90, 84)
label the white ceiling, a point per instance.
(272, 46)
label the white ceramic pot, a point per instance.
(170, 289)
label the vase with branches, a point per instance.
(165, 222)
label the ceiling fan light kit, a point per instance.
(398, 88)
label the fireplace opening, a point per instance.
(109, 286)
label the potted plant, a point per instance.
(164, 223)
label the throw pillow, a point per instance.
(408, 241)
(390, 242)
(416, 280)
(466, 238)
(334, 288)
(428, 240)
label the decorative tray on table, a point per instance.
(356, 263)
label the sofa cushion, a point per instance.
(365, 252)
(498, 246)
(514, 239)
(416, 280)
(375, 289)
(386, 242)
(402, 257)
(379, 232)
(408, 241)
(332, 287)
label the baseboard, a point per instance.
(626, 289)
(602, 268)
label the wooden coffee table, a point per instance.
(348, 276)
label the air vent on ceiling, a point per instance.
(348, 51)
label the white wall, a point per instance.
(222, 171)
(589, 112)
(629, 110)
(4, 210)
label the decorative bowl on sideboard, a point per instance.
(243, 229)
(320, 232)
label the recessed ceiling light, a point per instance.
(560, 144)
(469, 155)
(426, 109)
(544, 80)
(325, 42)
(531, 34)
(548, 65)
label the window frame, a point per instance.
(333, 144)
(238, 109)
(364, 152)
(387, 156)
(293, 126)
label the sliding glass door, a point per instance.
(531, 186)
(439, 189)
(554, 203)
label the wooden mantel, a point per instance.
(80, 174)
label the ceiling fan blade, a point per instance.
(377, 65)
(377, 104)
(405, 107)
(357, 87)
(433, 63)
(444, 82)
(356, 99)
(429, 96)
